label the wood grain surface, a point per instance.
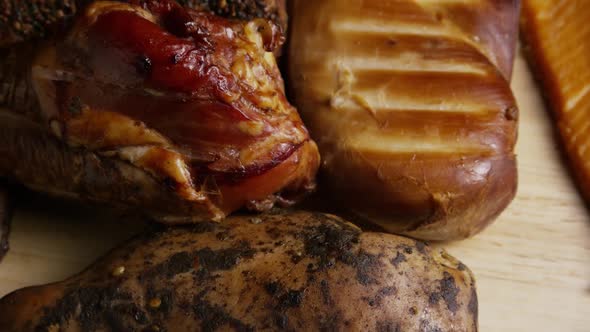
(532, 265)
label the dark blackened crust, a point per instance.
(447, 292)
(5, 218)
(34, 19)
(282, 271)
(274, 10)
(16, 91)
(24, 20)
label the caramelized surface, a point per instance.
(194, 100)
(558, 38)
(414, 96)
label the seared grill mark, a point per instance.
(404, 94)
(454, 93)
(384, 83)
(439, 46)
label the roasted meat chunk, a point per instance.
(177, 112)
(281, 272)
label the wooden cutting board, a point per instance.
(532, 265)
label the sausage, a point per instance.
(410, 104)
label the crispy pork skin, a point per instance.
(411, 106)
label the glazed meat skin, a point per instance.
(281, 272)
(557, 44)
(176, 112)
(22, 20)
(410, 104)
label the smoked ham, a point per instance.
(175, 112)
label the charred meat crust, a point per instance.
(282, 270)
(23, 20)
(34, 19)
(274, 10)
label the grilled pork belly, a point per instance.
(411, 106)
(24, 20)
(176, 112)
(558, 44)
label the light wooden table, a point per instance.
(532, 265)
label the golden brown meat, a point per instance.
(558, 42)
(176, 112)
(411, 106)
(282, 272)
(22, 20)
